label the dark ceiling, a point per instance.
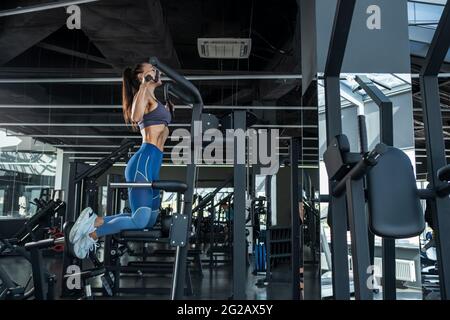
(119, 33)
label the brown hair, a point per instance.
(130, 85)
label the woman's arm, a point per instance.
(140, 102)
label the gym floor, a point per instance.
(215, 284)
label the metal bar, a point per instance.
(124, 185)
(296, 249)
(371, 89)
(210, 107)
(40, 291)
(42, 7)
(389, 269)
(430, 2)
(340, 279)
(78, 136)
(335, 57)
(435, 144)
(360, 239)
(201, 205)
(85, 146)
(105, 80)
(119, 79)
(338, 41)
(437, 159)
(439, 45)
(82, 55)
(180, 265)
(387, 137)
(333, 107)
(239, 230)
(388, 245)
(26, 124)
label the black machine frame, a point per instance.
(385, 107)
(438, 189)
(338, 42)
(435, 144)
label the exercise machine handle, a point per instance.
(166, 185)
(364, 146)
(361, 168)
(179, 79)
(170, 88)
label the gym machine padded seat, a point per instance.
(143, 235)
(394, 205)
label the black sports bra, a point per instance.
(160, 115)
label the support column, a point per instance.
(62, 173)
(239, 238)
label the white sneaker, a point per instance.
(82, 225)
(83, 246)
(83, 215)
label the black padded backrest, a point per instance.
(394, 205)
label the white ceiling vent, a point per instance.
(224, 48)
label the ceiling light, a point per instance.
(224, 48)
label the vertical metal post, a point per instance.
(295, 220)
(435, 143)
(387, 137)
(339, 248)
(360, 241)
(335, 58)
(110, 210)
(178, 202)
(40, 291)
(72, 194)
(436, 159)
(179, 275)
(268, 188)
(211, 235)
(388, 245)
(239, 238)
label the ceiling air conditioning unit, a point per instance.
(224, 48)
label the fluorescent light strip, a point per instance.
(191, 78)
(425, 156)
(78, 136)
(19, 124)
(208, 107)
(84, 146)
(206, 165)
(42, 7)
(28, 164)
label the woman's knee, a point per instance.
(142, 217)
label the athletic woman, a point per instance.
(140, 107)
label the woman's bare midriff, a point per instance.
(156, 135)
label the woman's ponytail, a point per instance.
(130, 85)
(127, 94)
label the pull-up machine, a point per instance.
(438, 176)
